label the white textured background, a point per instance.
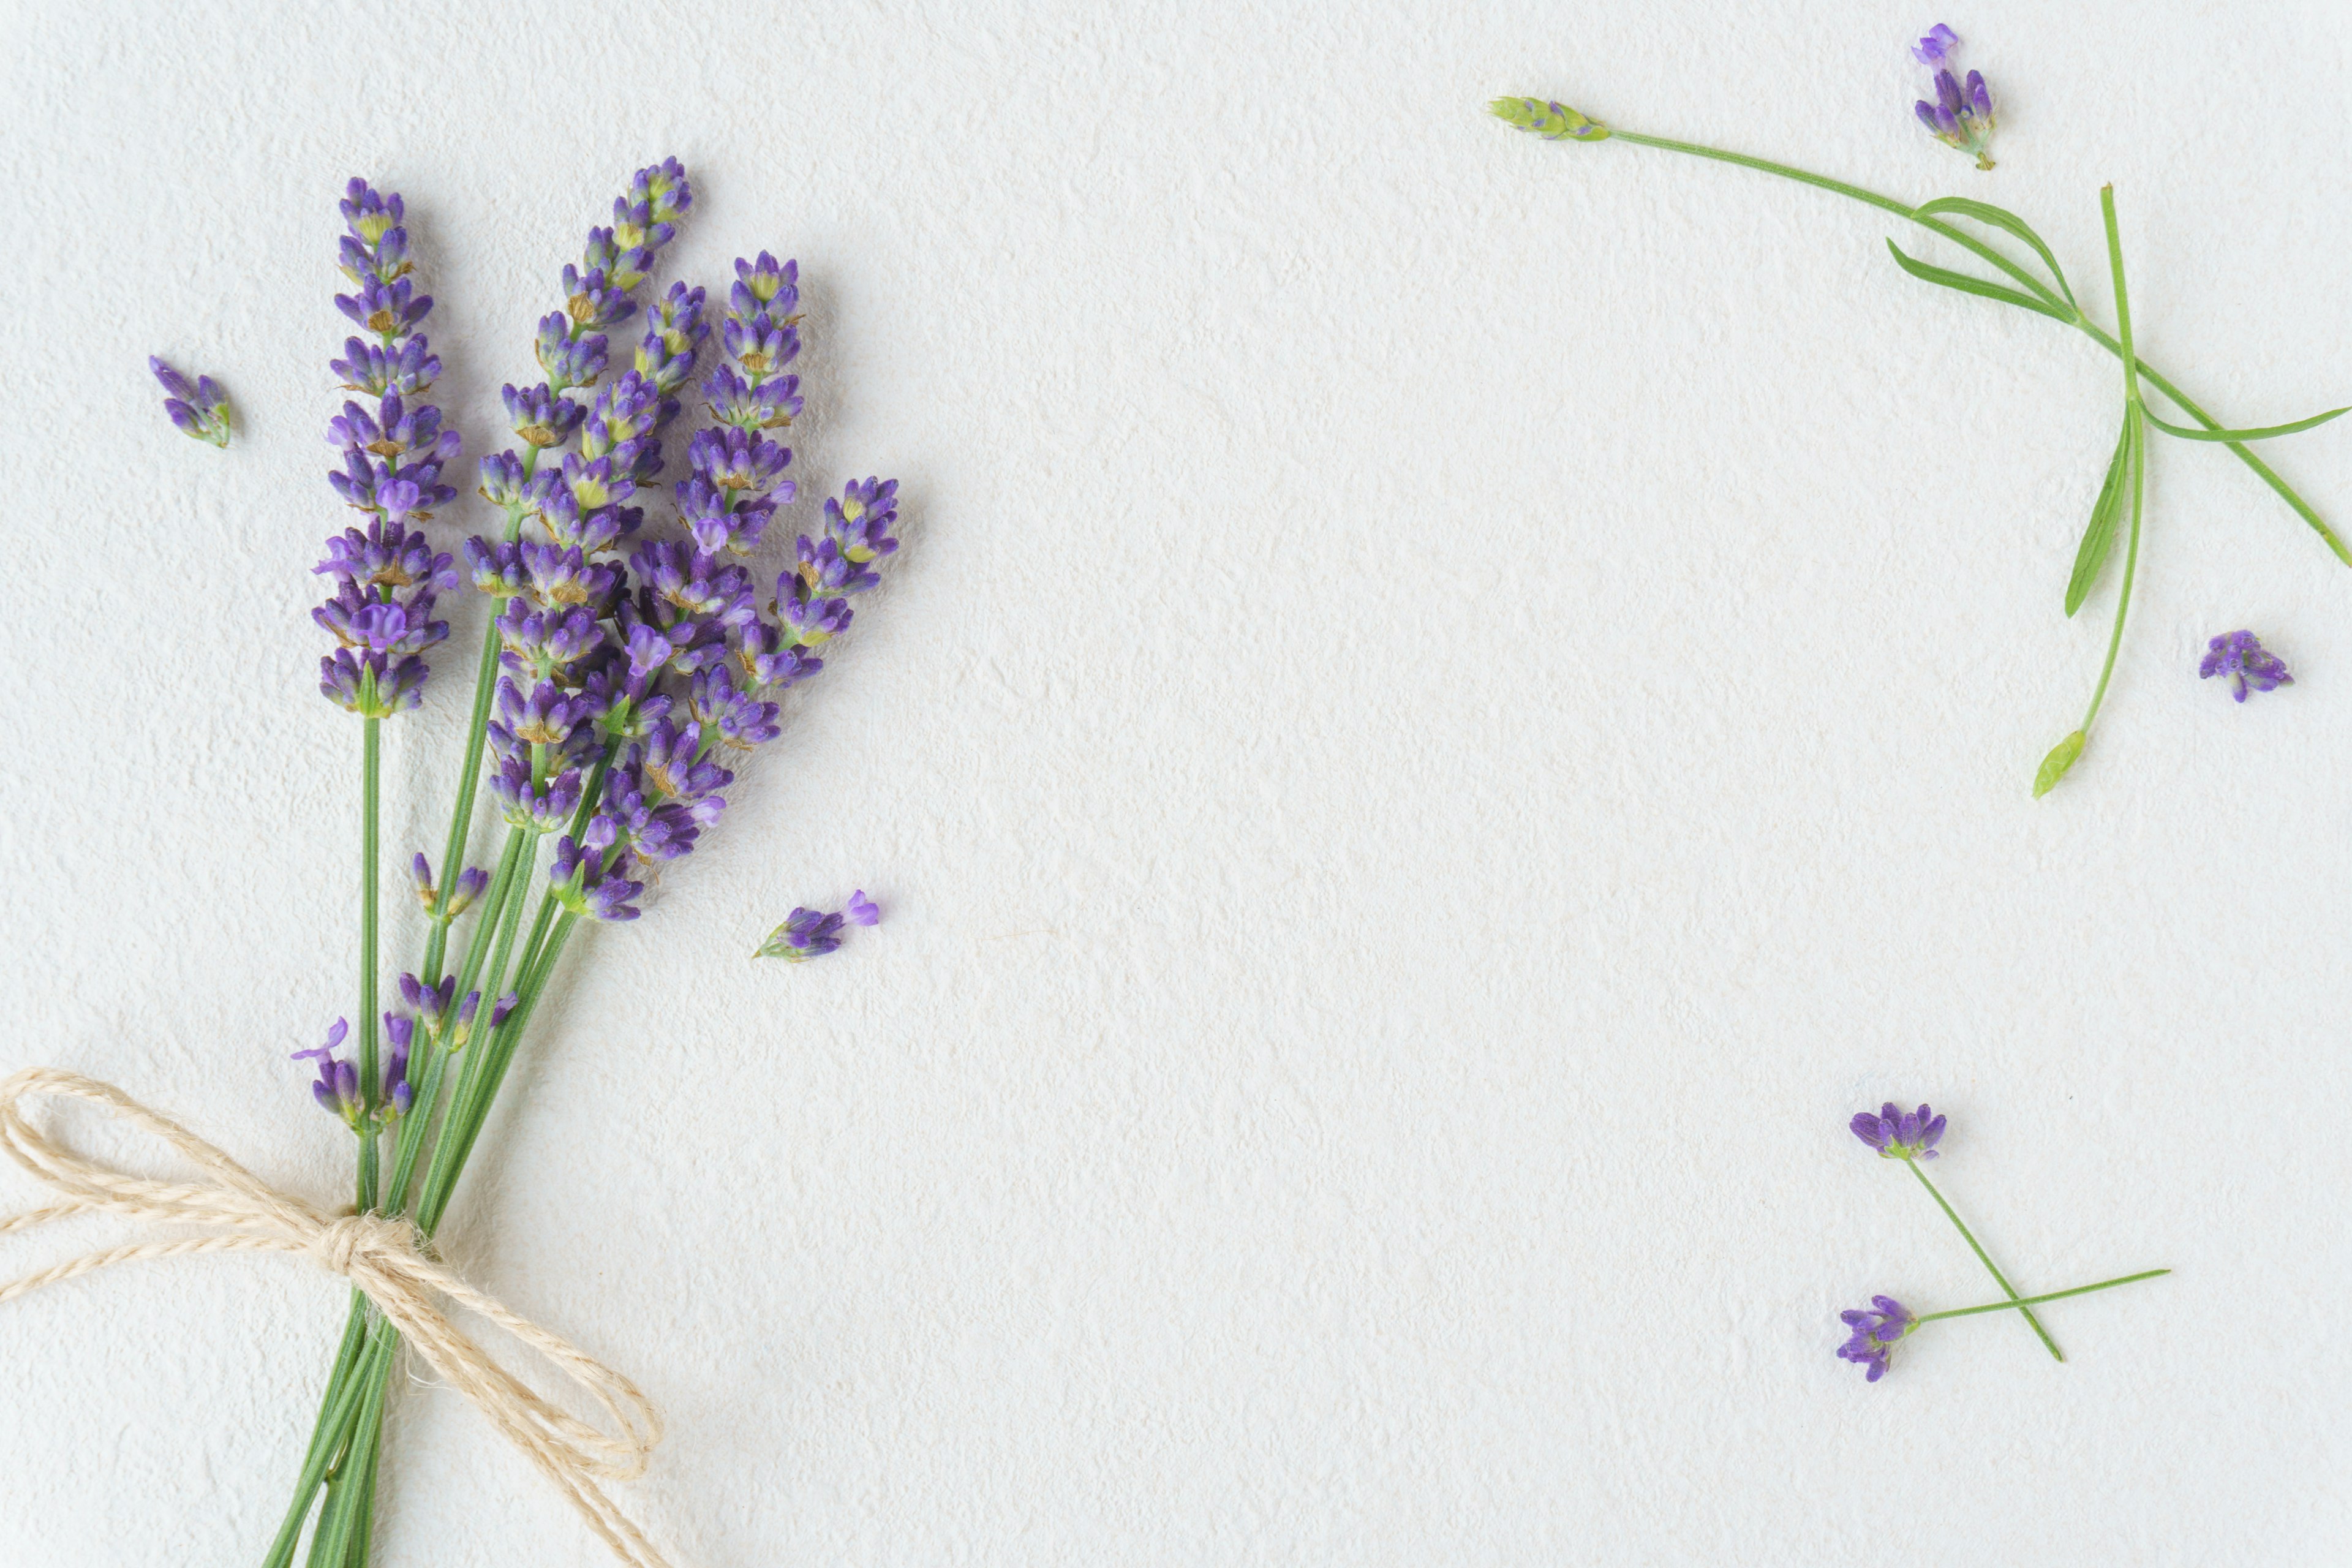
(1450, 708)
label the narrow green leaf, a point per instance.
(2100, 532)
(2191, 432)
(2003, 219)
(1967, 285)
(2053, 766)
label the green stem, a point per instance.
(461, 819)
(2024, 1301)
(2136, 442)
(1970, 1237)
(2063, 311)
(456, 1145)
(336, 1412)
(371, 775)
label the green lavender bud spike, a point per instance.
(1552, 122)
(2053, 766)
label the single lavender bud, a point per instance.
(1552, 122)
(2242, 659)
(861, 909)
(472, 883)
(1875, 1335)
(420, 871)
(1936, 49)
(200, 409)
(502, 1006)
(462, 1029)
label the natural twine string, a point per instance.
(382, 1257)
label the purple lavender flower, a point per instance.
(1936, 48)
(338, 1088)
(809, 934)
(583, 884)
(1961, 116)
(470, 885)
(200, 409)
(1899, 1134)
(2241, 657)
(400, 1032)
(1875, 1333)
(387, 577)
(738, 719)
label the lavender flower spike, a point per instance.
(2242, 658)
(1876, 1334)
(199, 408)
(1961, 116)
(1899, 1134)
(392, 451)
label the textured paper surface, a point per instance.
(1452, 707)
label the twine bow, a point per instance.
(382, 1257)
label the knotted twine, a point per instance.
(382, 1256)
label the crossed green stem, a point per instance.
(2022, 1303)
(1983, 1256)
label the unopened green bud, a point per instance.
(2053, 766)
(1552, 122)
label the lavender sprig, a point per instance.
(2042, 290)
(200, 409)
(1888, 1322)
(394, 448)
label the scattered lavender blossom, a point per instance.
(1875, 1333)
(393, 450)
(1961, 116)
(812, 934)
(1899, 1134)
(199, 408)
(2241, 657)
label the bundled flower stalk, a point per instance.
(1962, 117)
(626, 671)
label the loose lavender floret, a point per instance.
(809, 934)
(1899, 1134)
(200, 409)
(1961, 116)
(395, 447)
(2241, 657)
(1875, 1333)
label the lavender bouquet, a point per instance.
(625, 671)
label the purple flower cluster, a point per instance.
(338, 1088)
(1961, 115)
(812, 934)
(2240, 658)
(622, 674)
(1876, 1334)
(395, 447)
(200, 409)
(557, 589)
(1899, 1134)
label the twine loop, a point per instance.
(383, 1257)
